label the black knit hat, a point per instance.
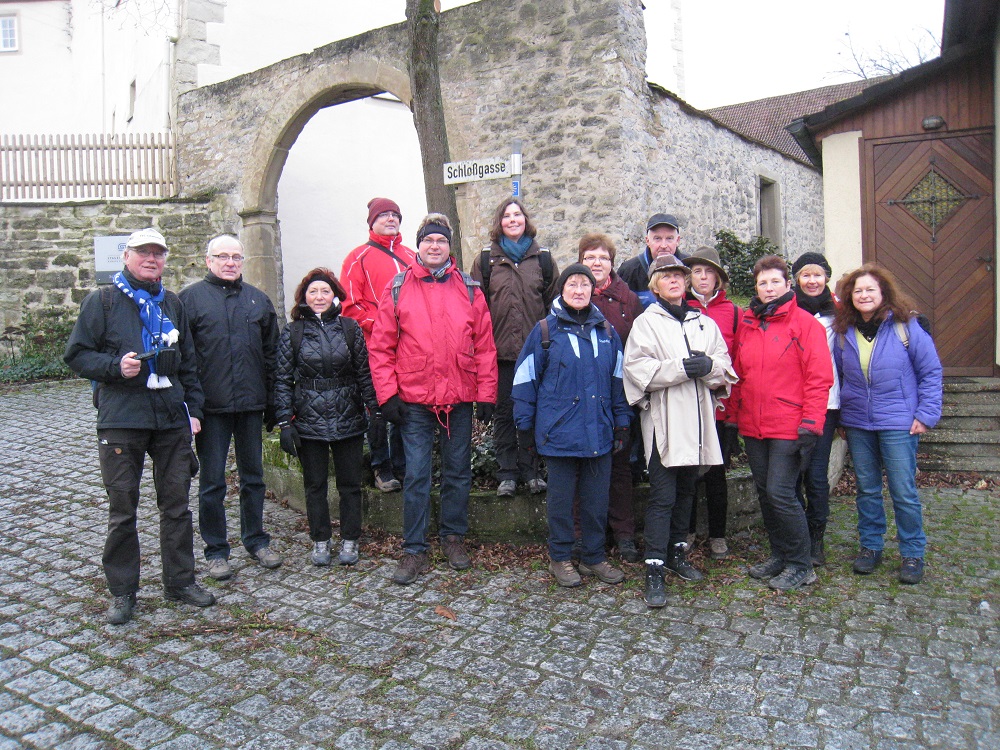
(573, 270)
(811, 259)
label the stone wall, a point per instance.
(47, 251)
(602, 150)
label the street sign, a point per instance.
(473, 170)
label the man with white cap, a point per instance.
(132, 341)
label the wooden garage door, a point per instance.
(931, 224)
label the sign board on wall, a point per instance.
(108, 257)
(474, 170)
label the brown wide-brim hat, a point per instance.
(707, 256)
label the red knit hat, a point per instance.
(377, 206)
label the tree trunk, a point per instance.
(422, 18)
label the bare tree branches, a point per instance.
(883, 61)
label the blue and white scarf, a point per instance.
(157, 329)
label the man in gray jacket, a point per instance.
(132, 341)
(235, 333)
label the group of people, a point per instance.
(590, 369)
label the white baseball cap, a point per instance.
(148, 236)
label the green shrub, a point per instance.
(738, 257)
(34, 349)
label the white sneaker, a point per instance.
(321, 553)
(348, 552)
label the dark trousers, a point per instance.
(347, 457)
(671, 492)
(621, 511)
(514, 461)
(775, 467)
(586, 480)
(421, 431)
(813, 487)
(122, 454)
(386, 445)
(716, 487)
(217, 431)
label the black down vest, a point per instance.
(324, 388)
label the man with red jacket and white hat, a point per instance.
(366, 272)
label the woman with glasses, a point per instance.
(519, 281)
(620, 307)
(432, 358)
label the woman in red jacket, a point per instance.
(620, 307)
(432, 357)
(708, 293)
(783, 361)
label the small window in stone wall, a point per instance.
(769, 210)
(8, 34)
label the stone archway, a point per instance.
(601, 149)
(326, 87)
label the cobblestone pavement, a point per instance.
(304, 657)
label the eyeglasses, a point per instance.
(387, 214)
(597, 259)
(146, 253)
(227, 258)
(434, 243)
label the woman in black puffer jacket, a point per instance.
(322, 389)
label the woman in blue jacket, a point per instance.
(569, 406)
(890, 395)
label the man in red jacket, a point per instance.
(432, 357)
(366, 272)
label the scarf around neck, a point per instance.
(765, 311)
(157, 329)
(515, 249)
(822, 304)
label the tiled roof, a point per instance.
(764, 120)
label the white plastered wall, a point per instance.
(842, 201)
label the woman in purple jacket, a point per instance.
(890, 395)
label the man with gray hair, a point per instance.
(235, 332)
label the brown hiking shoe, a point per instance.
(603, 570)
(410, 567)
(565, 574)
(454, 549)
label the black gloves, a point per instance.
(484, 412)
(290, 441)
(394, 410)
(621, 439)
(270, 418)
(526, 440)
(698, 365)
(805, 443)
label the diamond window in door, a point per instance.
(933, 200)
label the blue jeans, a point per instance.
(420, 432)
(217, 430)
(587, 479)
(774, 464)
(895, 452)
(813, 487)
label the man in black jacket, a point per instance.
(663, 235)
(132, 340)
(235, 332)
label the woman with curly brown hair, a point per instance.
(890, 394)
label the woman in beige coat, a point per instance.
(676, 369)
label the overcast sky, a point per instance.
(734, 50)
